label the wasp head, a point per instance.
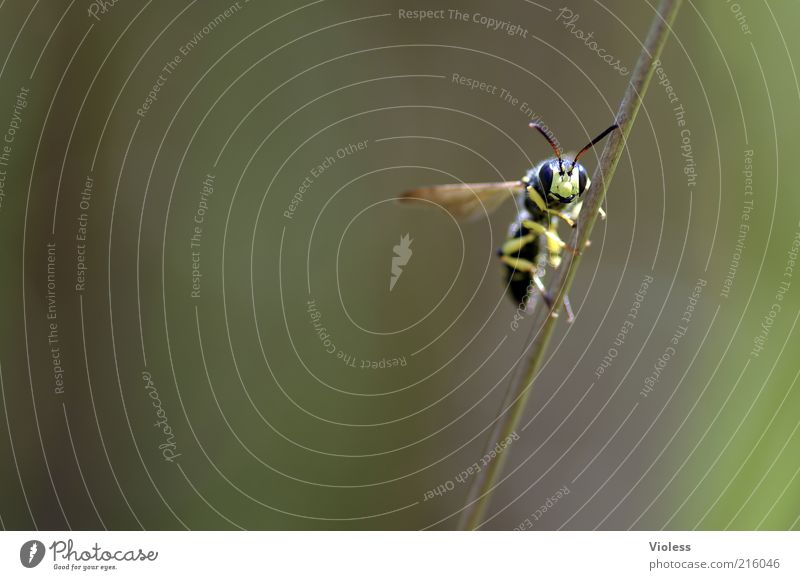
(562, 181)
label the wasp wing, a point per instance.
(465, 200)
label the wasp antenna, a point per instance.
(552, 144)
(595, 141)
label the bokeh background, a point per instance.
(298, 391)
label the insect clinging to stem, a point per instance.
(548, 193)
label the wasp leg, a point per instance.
(554, 243)
(568, 309)
(551, 234)
(528, 267)
(562, 216)
(514, 245)
(577, 210)
(553, 249)
(522, 265)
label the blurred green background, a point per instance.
(274, 423)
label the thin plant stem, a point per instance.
(484, 483)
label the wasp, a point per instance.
(547, 194)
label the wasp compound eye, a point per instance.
(546, 177)
(583, 180)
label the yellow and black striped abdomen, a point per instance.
(521, 255)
